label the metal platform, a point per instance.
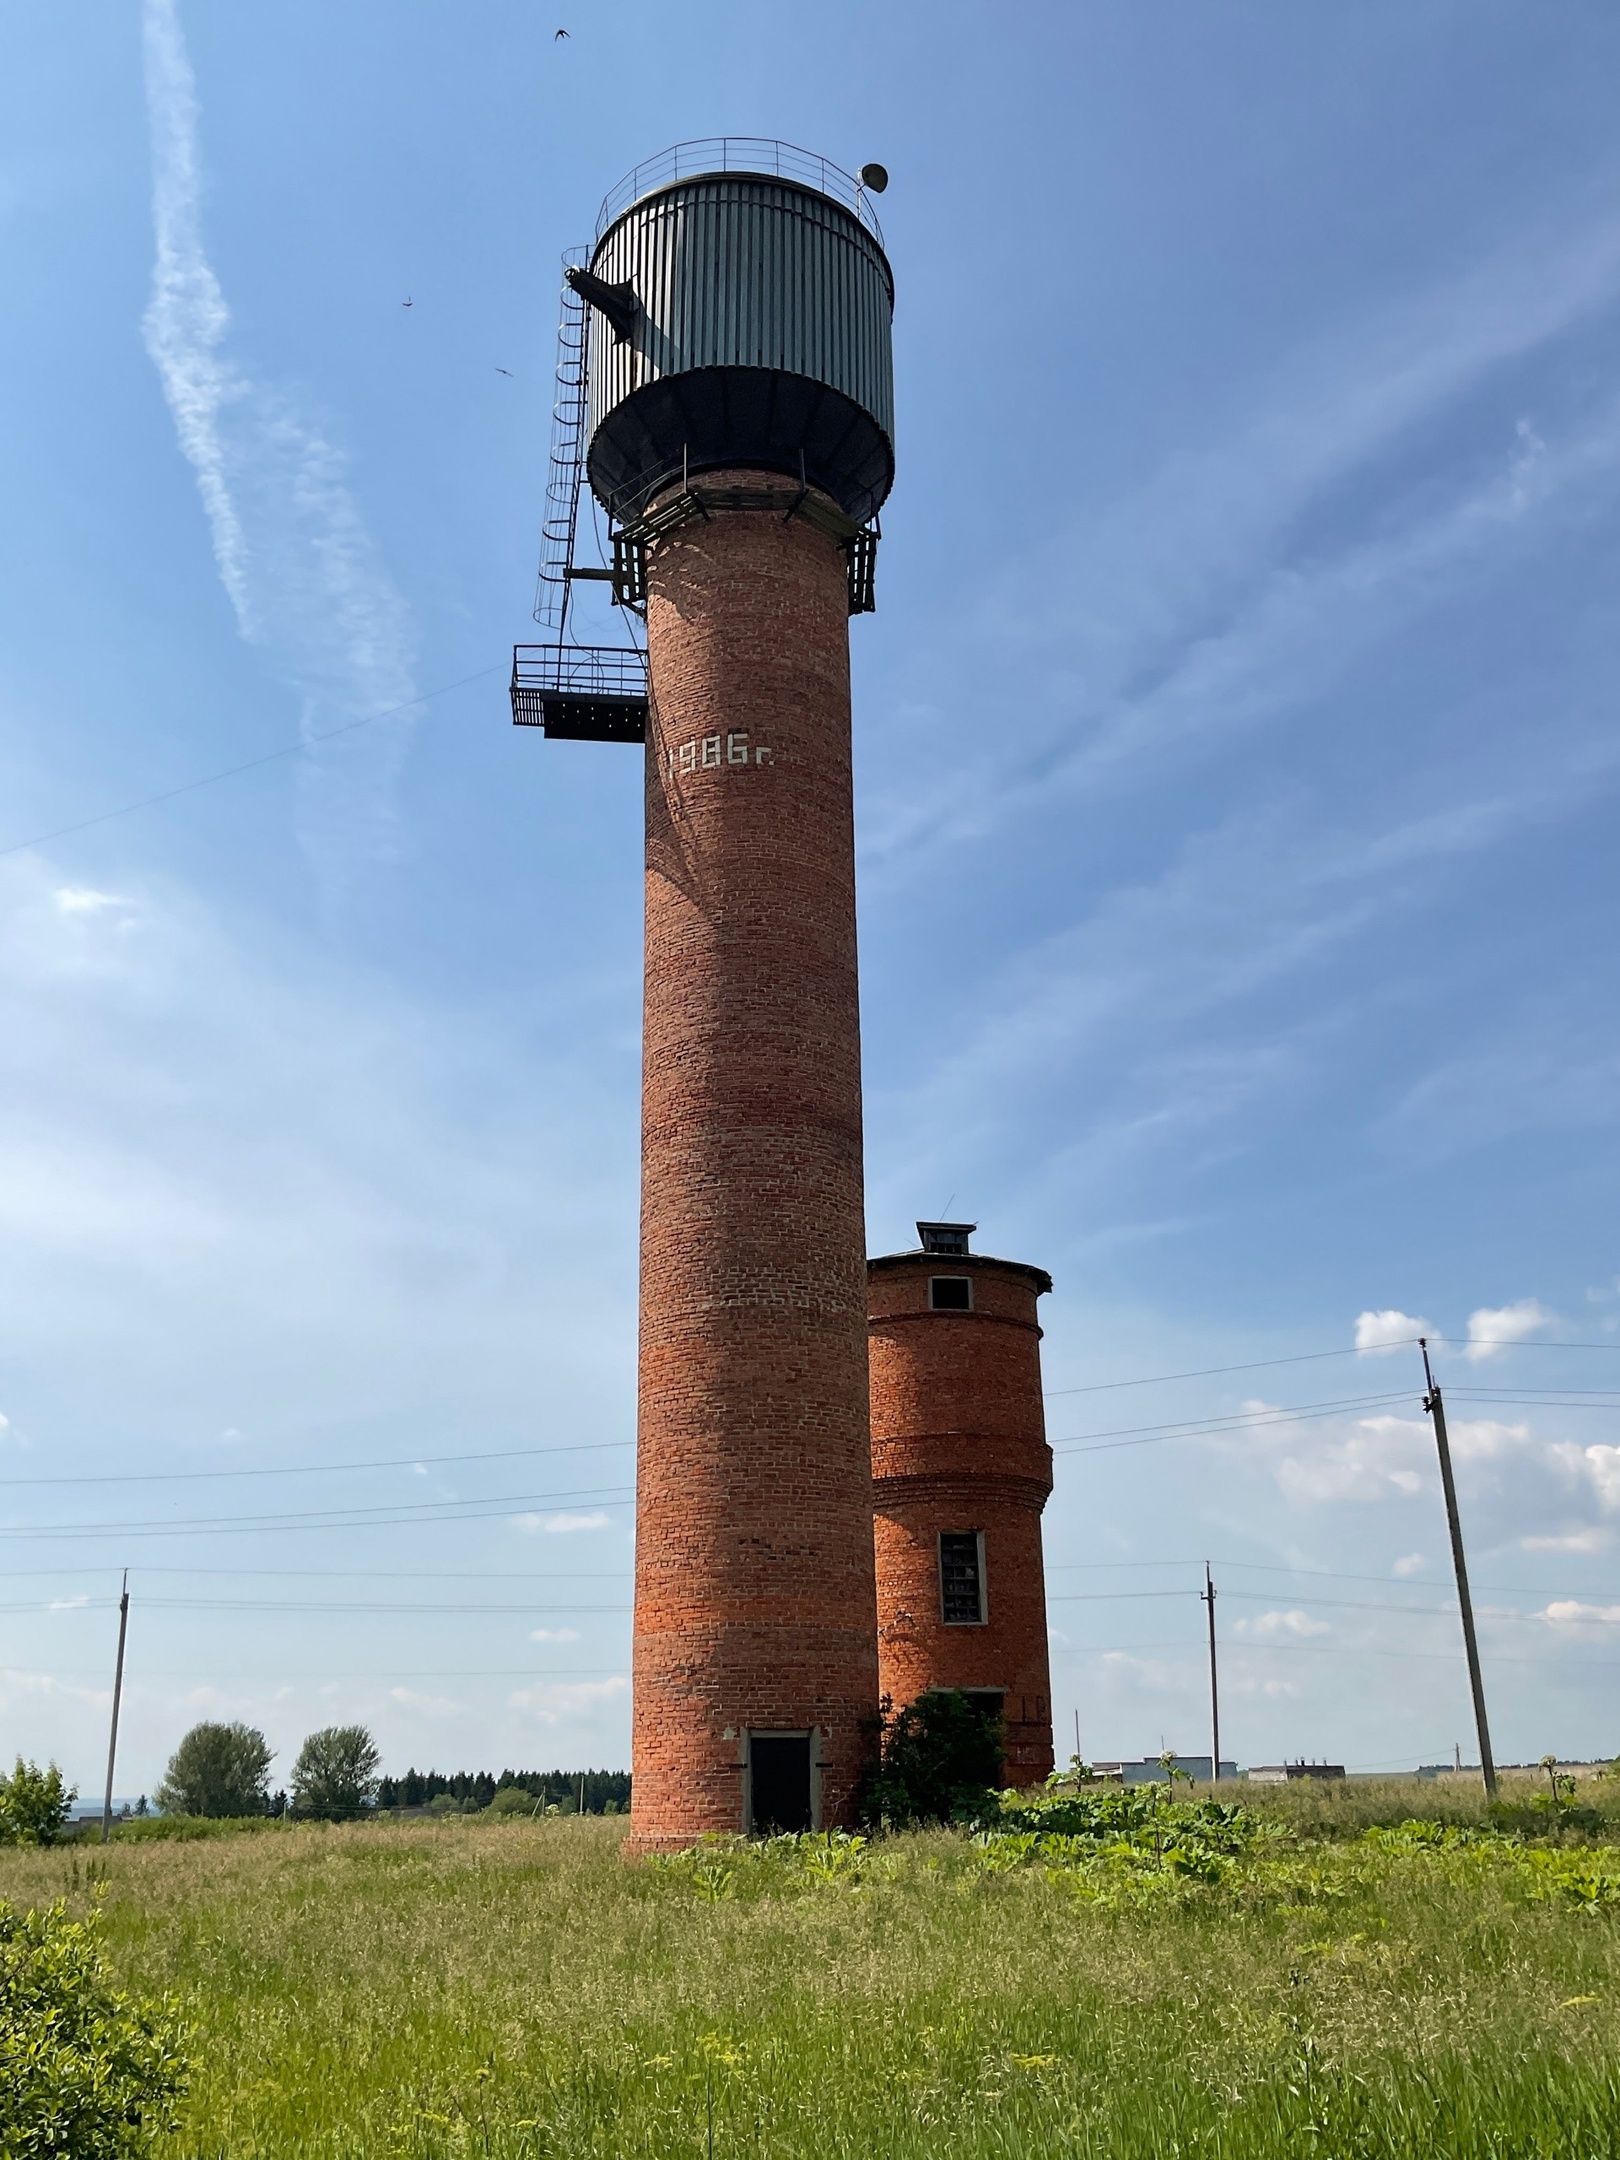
(581, 693)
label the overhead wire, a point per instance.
(388, 1462)
(230, 772)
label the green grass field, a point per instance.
(479, 1988)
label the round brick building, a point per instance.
(961, 1472)
(755, 1658)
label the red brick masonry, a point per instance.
(959, 1443)
(755, 1601)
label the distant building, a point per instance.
(1151, 1771)
(1287, 1773)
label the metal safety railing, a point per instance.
(580, 671)
(739, 154)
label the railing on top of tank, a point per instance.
(740, 154)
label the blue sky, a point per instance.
(1237, 775)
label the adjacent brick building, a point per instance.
(961, 1472)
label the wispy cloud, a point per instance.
(1292, 1626)
(293, 552)
(1195, 607)
(555, 1700)
(565, 1521)
(1572, 1613)
(1391, 1330)
(1493, 1329)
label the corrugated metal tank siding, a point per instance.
(737, 271)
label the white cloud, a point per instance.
(1292, 1626)
(1493, 1328)
(1573, 1541)
(554, 1634)
(1603, 1468)
(1391, 1330)
(1571, 1613)
(562, 1523)
(1409, 1564)
(1157, 1676)
(433, 1705)
(1378, 1457)
(552, 1701)
(1482, 1440)
(292, 549)
(66, 1604)
(83, 900)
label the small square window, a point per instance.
(961, 1577)
(950, 1293)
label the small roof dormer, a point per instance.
(946, 1237)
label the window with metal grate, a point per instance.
(961, 1577)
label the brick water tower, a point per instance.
(961, 1472)
(726, 388)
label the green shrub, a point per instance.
(512, 1803)
(84, 2071)
(218, 1770)
(34, 1805)
(939, 1761)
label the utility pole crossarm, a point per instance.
(1435, 1405)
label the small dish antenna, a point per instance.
(875, 178)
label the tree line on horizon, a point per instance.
(603, 1792)
(224, 1769)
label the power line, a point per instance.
(1462, 1342)
(1209, 1372)
(389, 1462)
(230, 772)
(1231, 1421)
(398, 1516)
(360, 1574)
(326, 1672)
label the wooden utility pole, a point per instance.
(118, 1689)
(1206, 1596)
(1437, 1410)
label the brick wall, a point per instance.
(959, 1443)
(755, 1600)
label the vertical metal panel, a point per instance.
(734, 270)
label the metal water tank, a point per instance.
(741, 304)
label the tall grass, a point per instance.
(466, 1988)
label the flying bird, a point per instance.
(407, 303)
(559, 34)
(503, 371)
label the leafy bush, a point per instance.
(218, 1770)
(939, 1761)
(335, 1775)
(84, 2071)
(512, 1803)
(34, 1805)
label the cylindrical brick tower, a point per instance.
(961, 1472)
(739, 435)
